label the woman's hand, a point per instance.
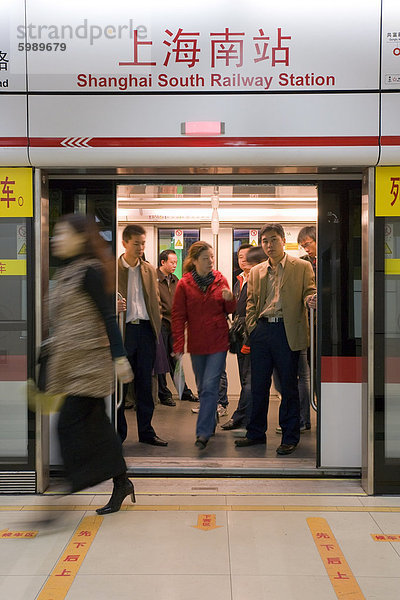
(123, 369)
(227, 295)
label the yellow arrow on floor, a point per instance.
(206, 522)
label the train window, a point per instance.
(179, 240)
(242, 236)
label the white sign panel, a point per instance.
(12, 62)
(178, 239)
(253, 237)
(158, 46)
(391, 45)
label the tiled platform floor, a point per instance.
(261, 549)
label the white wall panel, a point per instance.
(13, 127)
(390, 150)
(340, 424)
(54, 120)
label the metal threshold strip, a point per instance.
(189, 467)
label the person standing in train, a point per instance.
(85, 348)
(167, 282)
(248, 256)
(307, 239)
(202, 302)
(140, 303)
(279, 291)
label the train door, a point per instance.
(339, 374)
(183, 211)
(175, 215)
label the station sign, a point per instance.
(16, 192)
(252, 46)
(387, 192)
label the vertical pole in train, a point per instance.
(215, 224)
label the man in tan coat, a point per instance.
(138, 286)
(279, 291)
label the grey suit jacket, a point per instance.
(298, 282)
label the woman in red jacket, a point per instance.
(202, 301)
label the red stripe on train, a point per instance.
(341, 369)
(150, 142)
(10, 142)
(212, 142)
(13, 368)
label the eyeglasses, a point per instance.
(306, 245)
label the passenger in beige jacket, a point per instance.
(278, 292)
(138, 286)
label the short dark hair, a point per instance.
(243, 247)
(256, 255)
(307, 231)
(164, 255)
(277, 227)
(131, 230)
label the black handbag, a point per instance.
(237, 333)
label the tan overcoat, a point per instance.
(150, 292)
(298, 282)
(80, 362)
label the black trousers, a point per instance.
(269, 350)
(140, 346)
(90, 448)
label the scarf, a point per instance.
(203, 282)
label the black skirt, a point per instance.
(90, 448)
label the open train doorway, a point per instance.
(227, 215)
(174, 215)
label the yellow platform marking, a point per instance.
(206, 508)
(342, 579)
(62, 576)
(380, 537)
(207, 522)
(5, 534)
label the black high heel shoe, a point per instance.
(119, 493)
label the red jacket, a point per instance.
(204, 315)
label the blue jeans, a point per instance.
(207, 371)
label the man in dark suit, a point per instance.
(279, 291)
(167, 283)
(140, 304)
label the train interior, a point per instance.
(175, 214)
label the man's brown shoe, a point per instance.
(244, 442)
(286, 449)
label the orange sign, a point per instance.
(63, 574)
(380, 537)
(207, 522)
(342, 579)
(5, 534)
